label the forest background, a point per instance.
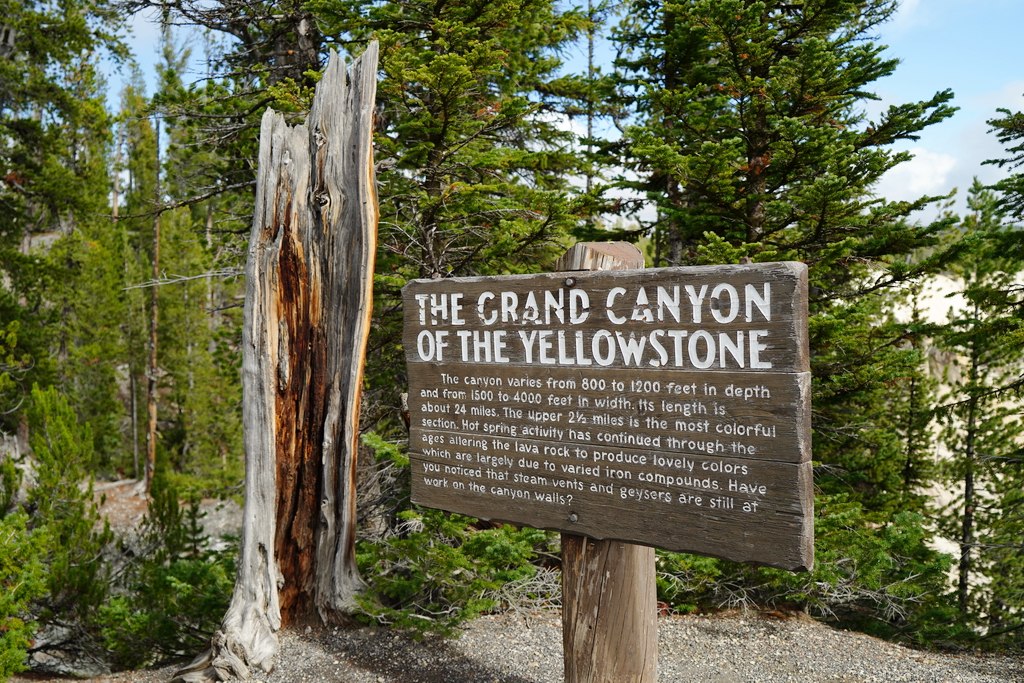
(719, 130)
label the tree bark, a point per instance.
(609, 601)
(152, 367)
(307, 313)
(963, 589)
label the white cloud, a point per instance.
(927, 173)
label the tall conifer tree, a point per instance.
(1008, 586)
(53, 132)
(751, 140)
(473, 166)
(474, 161)
(983, 427)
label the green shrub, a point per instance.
(66, 520)
(57, 561)
(439, 569)
(22, 581)
(882, 579)
(171, 610)
(432, 570)
(172, 597)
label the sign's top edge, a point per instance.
(795, 269)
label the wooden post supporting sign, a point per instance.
(609, 598)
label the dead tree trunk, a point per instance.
(307, 311)
(609, 602)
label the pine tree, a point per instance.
(915, 409)
(201, 392)
(24, 578)
(751, 141)
(183, 287)
(1009, 129)
(65, 517)
(474, 163)
(86, 289)
(51, 127)
(983, 427)
(269, 56)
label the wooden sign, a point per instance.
(666, 407)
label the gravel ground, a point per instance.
(513, 648)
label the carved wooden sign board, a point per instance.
(667, 407)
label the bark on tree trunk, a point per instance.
(307, 312)
(964, 568)
(152, 368)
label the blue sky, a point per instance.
(970, 46)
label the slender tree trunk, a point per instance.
(669, 245)
(759, 143)
(591, 114)
(309, 280)
(967, 522)
(154, 314)
(213, 314)
(115, 199)
(910, 473)
(967, 532)
(134, 388)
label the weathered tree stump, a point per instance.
(307, 312)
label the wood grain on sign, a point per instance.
(712, 459)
